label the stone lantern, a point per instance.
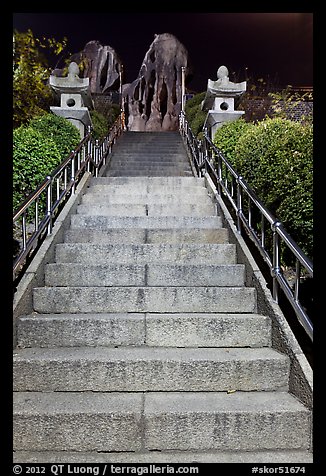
(75, 99)
(220, 99)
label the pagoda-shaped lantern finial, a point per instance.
(75, 99)
(219, 100)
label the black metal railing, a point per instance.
(253, 217)
(34, 218)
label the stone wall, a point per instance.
(257, 108)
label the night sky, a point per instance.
(274, 46)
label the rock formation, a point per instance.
(153, 101)
(102, 67)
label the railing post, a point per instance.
(219, 174)
(96, 157)
(183, 89)
(49, 204)
(239, 204)
(276, 259)
(205, 155)
(24, 231)
(73, 174)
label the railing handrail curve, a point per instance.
(87, 153)
(202, 155)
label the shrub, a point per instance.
(112, 114)
(227, 136)
(194, 115)
(34, 157)
(276, 158)
(65, 135)
(100, 125)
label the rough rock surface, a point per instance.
(153, 101)
(102, 66)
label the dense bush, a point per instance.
(103, 121)
(195, 116)
(65, 135)
(226, 137)
(275, 156)
(100, 125)
(112, 114)
(34, 157)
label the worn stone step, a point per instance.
(153, 160)
(176, 209)
(149, 146)
(144, 299)
(151, 173)
(135, 189)
(159, 158)
(258, 457)
(167, 182)
(107, 223)
(143, 369)
(147, 164)
(241, 420)
(77, 421)
(164, 253)
(132, 166)
(121, 194)
(144, 199)
(76, 274)
(187, 421)
(152, 236)
(137, 329)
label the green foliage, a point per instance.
(31, 94)
(103, 119)
(34, 157)
(275, 157)
(112, 114)
(194, 115)
(100, 125)
(226, 137)
(65, 135)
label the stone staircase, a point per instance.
(145, 344)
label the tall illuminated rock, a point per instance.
(153, 101)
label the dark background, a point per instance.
(273, 46)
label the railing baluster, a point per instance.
(36, 214)
(58, 187)
(297, 280)
(85, 151)
(73, 174)
(226, 175)
(24, 233)
(262, 231)
(49, 205)
(239, 205)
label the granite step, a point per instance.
(297, 457)
(144, 235)
(150, 223)
(121, 209)
(149, 369)
(140, 329)
(162, 253)
(164, 421)
(160, 299)
(75, 274)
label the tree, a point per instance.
(32, 94)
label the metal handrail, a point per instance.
(52, 193)
(204, 154)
